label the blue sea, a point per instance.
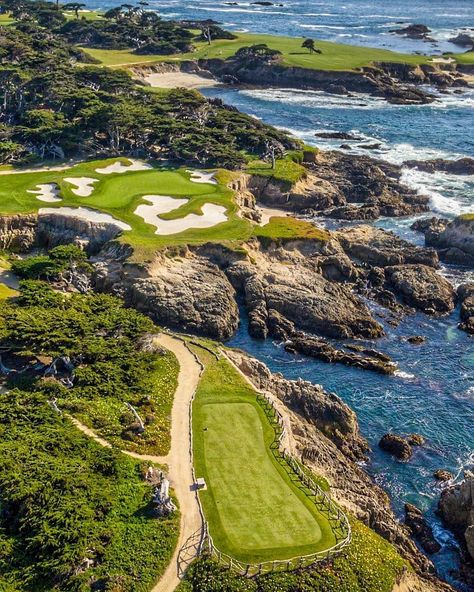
(433, 392)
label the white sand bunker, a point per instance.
(212, 214)
(119, 167)
(86, 214)
(46, 192)
(202, 177)
(84, 185)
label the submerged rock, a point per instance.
(397, 446)
(443, 475)
(420, 529)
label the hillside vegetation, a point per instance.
(73, 515)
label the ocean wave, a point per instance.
(405, 375)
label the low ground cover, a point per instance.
(370, 564)
(335, 56)
(102, 340)
(288, 228)
(254, 510)
(75, 516)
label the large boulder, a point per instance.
(454, 240)
(375, 246)
(397, 446)
(456, 507)
(188, 294)
(305, 298)
(422, 287)
(461, 166)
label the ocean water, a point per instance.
(433, 392)
(362, 22)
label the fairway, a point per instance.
(255, 512)
(335, 56)
(120, 193)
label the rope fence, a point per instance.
(336, 517)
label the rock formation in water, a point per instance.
(454, 240)
(456, 507)
(420, 529)
(461, 166)
(466, 298)
(325, 435)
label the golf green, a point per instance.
(255, 512)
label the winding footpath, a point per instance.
(179, 461)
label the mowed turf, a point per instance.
(119, 194)
(335, 56)
(255, 512)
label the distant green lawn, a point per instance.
(335, 56)
(120, 194)
(255, 512)
(6, 19)
(463, 58)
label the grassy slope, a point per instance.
(105, 415)
(133, 547)
(290, 229)
(120, 194)
(254, 511)
(335, 56)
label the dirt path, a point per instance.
(180, 464)
(179, 461)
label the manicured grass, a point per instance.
(466, 217)
(285, 227)
(6, 292)
(286, 170)
(335, 56)
(462, 58)
(6, 19)
(255, 512)
(120, 194)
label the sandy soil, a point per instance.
(202, 177)
(180, 465)
(179, 461)
(46, 192)
(268, 213)
(84, 185)
(86, 214)
(118, 167)
(179, 79)
(212, 214)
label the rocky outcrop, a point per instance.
(374, 80)
(463, 40)
(187, 293)
(420, 529)
(303, 297)
(57, 229)
(461, 166)
(316, 419)
(22, 232)
(375, 246)
(456, 507)
(18, 233)
(397, 446)
(342, 186)
(324, 410)
(443, 475)
(454, 240)
(465, 294)
(417, 31)
(422, 287)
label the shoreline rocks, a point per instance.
(420, 529)
(461, 166)
(454, 240)
(397, 446)
(416, 31)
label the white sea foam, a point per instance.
(405, 375)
